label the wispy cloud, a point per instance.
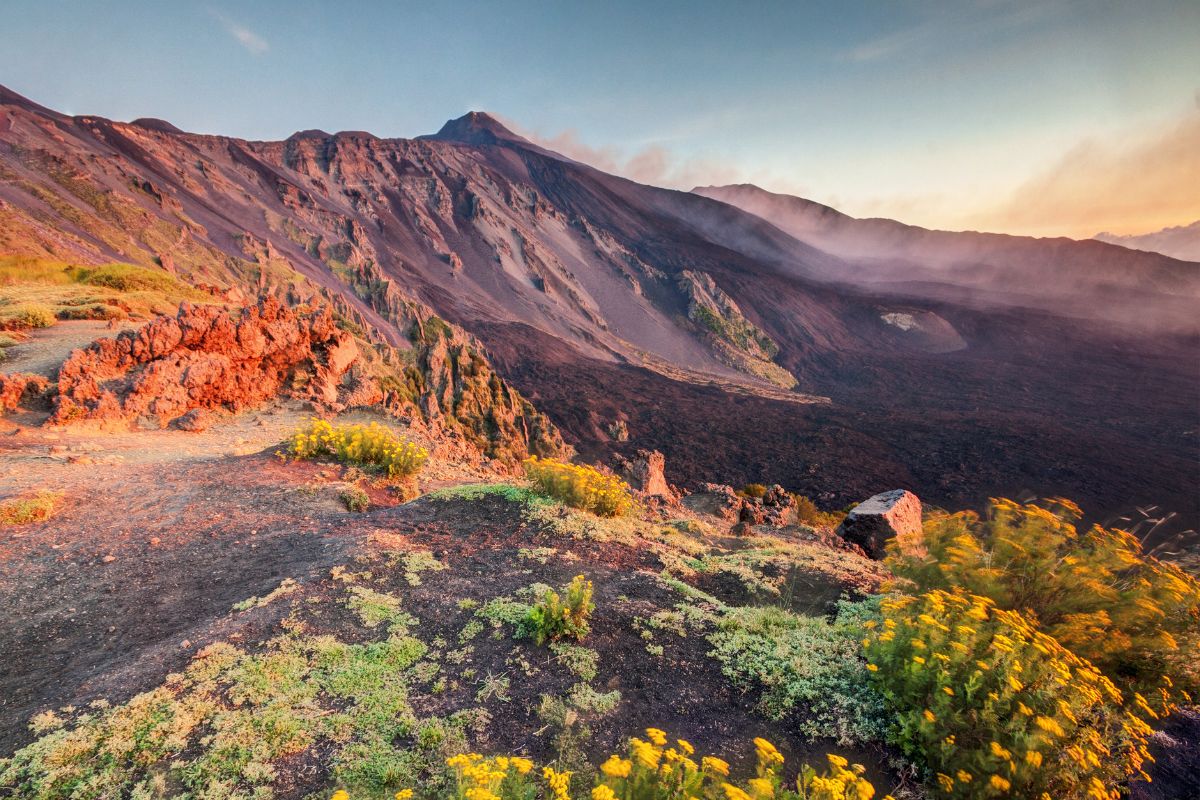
(969, 21)
(654, 164)
(247, 38)
(1141, 182)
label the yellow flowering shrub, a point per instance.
(367, 445)
(556, 616)
(1135, 618)
(654, 768)
(993, 707)
(580, 486)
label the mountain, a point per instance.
(1180, 241)
(738, 344)
(1078, 278)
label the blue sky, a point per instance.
(954, 114)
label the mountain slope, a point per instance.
(605, 300)
(1181, 241)
(1083, 278)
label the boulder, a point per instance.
(895, 514)
(197, 420)
(644, 474)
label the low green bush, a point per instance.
(355, 499)
(555, 617)
(24, 316)
(810, 664)
(128, 278)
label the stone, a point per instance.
(195, 421)
(644, 474)
(895, 514)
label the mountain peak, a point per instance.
(475, 127)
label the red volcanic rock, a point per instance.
(19, 388)
(644, 474)
(206, 358)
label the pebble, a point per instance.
(155, 540)
(108, 559)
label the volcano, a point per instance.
(748, 336)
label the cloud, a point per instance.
(1142, 183)
(653, 164)
(247, 38)
(966, 21)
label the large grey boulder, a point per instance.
(895, 514)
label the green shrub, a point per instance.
(128, 278)
(355, 499)
(807, 663)
(993, 707)
(26, 510)
(552, 617)
(24, 316)
(1136, 618)
(580, 486)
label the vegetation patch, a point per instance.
(1135, 618)
(26, 510)
(35, 293)
(580, 486)
(993, 706)
(355, 499)
(810, 664)
(286, 586)
(656, 768)
(555, 617)
(371, 446)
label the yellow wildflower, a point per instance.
(761, 787)
(713, 764)
(603, 792)
(734, 793)
(999, 784)
(655, 735)
(617, 767)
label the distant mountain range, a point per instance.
(1180, 241)
(749, 336)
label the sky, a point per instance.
(1060, 117)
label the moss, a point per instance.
(26, 510)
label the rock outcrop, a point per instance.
(895, 514)
(207, 358)
(644, 474)
(773, 508)
(19, 388)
